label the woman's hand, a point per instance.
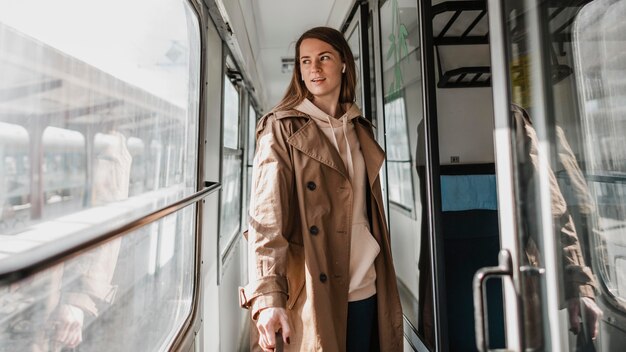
(270, 321)
(67, 323)
(590, 312)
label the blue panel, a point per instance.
(465, 192)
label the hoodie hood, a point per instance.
(325, 120)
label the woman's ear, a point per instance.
(343, 70)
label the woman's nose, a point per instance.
(315, 66)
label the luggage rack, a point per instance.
(465, 77)
(468, 25)
(465, 26)
(469, 35)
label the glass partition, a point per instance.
(567, 73)
(404, 130)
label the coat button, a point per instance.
(323, 277)
(314, 230)
(311, 185)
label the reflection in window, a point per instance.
(130, 294)
(232, 164)
(398, 155)
(599, 41)
(14, 197)
(79, 115)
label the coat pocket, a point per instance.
(295, 273)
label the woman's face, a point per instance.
(320, 67)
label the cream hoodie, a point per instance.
(363, 247)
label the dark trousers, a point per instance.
(362, 325)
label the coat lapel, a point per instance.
(373, 155)
(312, 142)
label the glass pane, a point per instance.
(230, 218)
(597, 41)
(398, 155)
(130, 294)
(402, 84)
(231, 115)
(97, 124)
(400, 190)
(252, 119)
(570, 145)
(354, 41)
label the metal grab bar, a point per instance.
(20, 266)
(504, 268)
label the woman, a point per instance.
(323, 273)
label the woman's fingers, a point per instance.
(286, 329)
(265, 344)
(270, 321)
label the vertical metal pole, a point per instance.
(503, 148)
(365, 61)
(433, 188)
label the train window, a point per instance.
(98, 127)
(230, 214)
(398, 155)
(252, 119)
(231, 115)
(76, 113)
(400, 79)
(599, 39)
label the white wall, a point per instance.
(465, 115)
(465, 122)
(240, 16)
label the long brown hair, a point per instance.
(297, 91)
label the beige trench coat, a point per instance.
(299, 234)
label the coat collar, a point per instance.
(289, 113)
(312, 142)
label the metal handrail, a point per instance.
(22, 265)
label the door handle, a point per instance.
(504, 268)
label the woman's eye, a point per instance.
(306, 62)
(325, 57)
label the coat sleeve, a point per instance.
(578, 280)
(269, 220)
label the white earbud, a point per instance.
(343, 70)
